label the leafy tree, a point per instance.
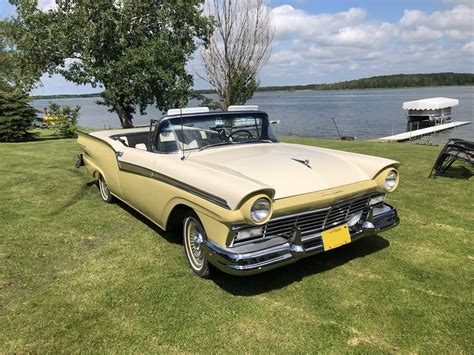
(7, 64)
(242, 87)
(135, 50)
(65, 124)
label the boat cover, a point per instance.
(435, 103)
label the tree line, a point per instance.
(385, 82)
(375, 82)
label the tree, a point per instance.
(7, 61)
(65, 123)
(135, 50)
(238, 49)
(16, 116)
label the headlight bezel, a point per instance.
(391, 180)
(248, 207)
(260, 210)
(380, 179)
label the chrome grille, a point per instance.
(315, 221)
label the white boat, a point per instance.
(429, 112)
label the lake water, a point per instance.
(366, 114)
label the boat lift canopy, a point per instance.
(435, 103)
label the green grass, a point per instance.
(77, 274)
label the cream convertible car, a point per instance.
(245, 202)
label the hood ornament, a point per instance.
(304, 162)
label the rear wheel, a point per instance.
(104, 190)
(193, 238)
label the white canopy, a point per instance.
(434, 103)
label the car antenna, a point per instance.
(182, 133)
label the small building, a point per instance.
(429, 112)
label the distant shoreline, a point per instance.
(397, 81)
(205, 92)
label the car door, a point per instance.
(135, 178)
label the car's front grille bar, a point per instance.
(315, 221)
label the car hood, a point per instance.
(291, 169)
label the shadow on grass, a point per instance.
(458, 172)
(169, 236)
(279, 278)
(74, 198)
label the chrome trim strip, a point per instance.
(341, 202)
(134, 169)
(148, 173)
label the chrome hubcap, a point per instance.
(194, 240)
(104, 190)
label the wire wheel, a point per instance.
(193, 238)
(104, 190)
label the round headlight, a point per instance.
(260, 210)
(391, 181)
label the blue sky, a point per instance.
(383, 10)
(327, 41)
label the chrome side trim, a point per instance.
(134, 169)
(148, 173)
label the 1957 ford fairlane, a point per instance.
(244, 201)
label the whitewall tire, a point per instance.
(193, 238)
(105, 193)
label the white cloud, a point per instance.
(289, 22)
(337, 46)
(468, 49)
(420, 34)
(457, 23)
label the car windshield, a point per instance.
(200, 132)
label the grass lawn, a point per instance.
(77, 274)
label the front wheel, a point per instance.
(104, 191)
(193, 238)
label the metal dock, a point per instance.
(415, 134)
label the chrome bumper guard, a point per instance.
(380, 218)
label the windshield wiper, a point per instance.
(215, 145)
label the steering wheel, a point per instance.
(223, 135)
(241, 135)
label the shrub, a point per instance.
(16, 116)
(65, 123)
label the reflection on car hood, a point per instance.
(291, 169)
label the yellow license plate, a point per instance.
(335, 237)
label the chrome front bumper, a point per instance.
(239, 262)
